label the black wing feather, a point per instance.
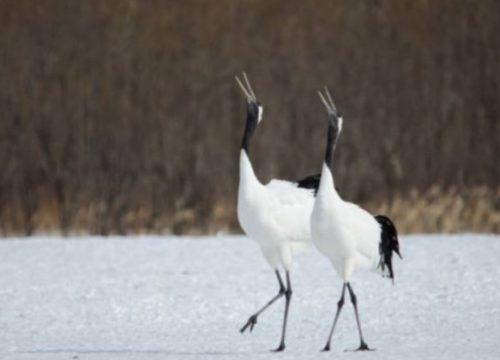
(310, 182)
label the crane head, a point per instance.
(335, 119)
(254, 107)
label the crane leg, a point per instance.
(363, 346)
(288, 297)
(252, 320)
(340, 303)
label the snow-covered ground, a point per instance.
(186, 298)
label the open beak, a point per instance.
(328, 102)
(248, 91)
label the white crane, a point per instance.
(350, 237)
(275, 215)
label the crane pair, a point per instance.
(284, 216)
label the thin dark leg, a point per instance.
(253, 319)
(288, 297)
(340, 303)
(363, 346)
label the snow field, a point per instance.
(159, 297)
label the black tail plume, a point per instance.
(388, 244)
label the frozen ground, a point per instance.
(186, 298)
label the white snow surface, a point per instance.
(170, 297)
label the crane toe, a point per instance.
(279, 348)
(362, 347)
(250, 324)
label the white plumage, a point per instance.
(350, 237)
(275, 215)
(346, 234)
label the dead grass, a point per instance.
(437, 210)
(432, 211)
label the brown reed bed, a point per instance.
(432, 211)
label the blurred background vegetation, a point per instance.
(123, 116)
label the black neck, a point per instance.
(250, 127)
(331, 141)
